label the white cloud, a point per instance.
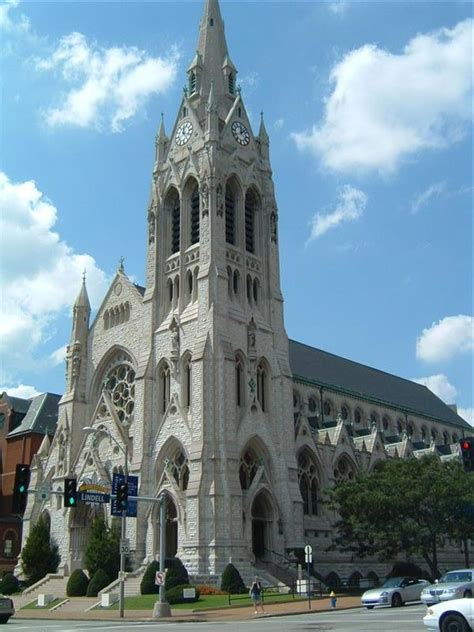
(107, 86)
(278, 124)
(423, 198)
(440, 386)
(339, 7)
(445, 339)
(17, 23)
(385, 107)
(22, 390)
(58, 356)
(250, 82)
(350, 206)
(467, 414)
(39, 273)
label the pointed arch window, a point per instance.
(194, 235)
(239, 382)
(231, 83)
(164, 387)
(308, 483)
(248, 469)
(236, 282)
(262, 386)
(180, 470)
(249, 289)
(229, 216)
(250, 208)
(192, 82)
(187, 391)
(175, 223)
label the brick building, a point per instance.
(23, 426)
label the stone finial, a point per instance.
(121, 267)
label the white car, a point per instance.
(452, 585)
(451, 616)
(394, 592)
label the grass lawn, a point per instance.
(146, 602)
(33, 606)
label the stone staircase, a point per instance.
(78, 604)
(51, 584)
(281, 575)
(131, 584)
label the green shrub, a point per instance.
(99, 580)
(232, 581)
(175, 595)
(9, 584)
(176, 575)
(77, 584)
(102, 550)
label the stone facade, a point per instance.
(192, 373)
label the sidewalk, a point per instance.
(223, 614)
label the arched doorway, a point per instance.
(262, 520)
(80, 524)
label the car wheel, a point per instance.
(369, 607)
(4, 619)
(467, 594)
(396, 600)
(454, 623)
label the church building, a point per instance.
(193, 375)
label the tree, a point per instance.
(102, 551)
(409, 506)
(40, 554)
(99, 580)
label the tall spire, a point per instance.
(212, 55)
(82, 299)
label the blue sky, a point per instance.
(368, 109)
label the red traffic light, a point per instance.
(466, 445)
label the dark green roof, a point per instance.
(18, 404)
(42, 416)
(339, 374)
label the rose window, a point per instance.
(120, 385)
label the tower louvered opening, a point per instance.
(195, 216)
(229, 216)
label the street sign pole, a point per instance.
(162, 607)
(122, 540)
(308, 554)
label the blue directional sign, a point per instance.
(132, 491)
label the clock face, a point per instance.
(183, 133)
(241, 133)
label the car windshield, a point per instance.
(393, 582)
(450, 578)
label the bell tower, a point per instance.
(220, 345)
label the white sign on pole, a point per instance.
(308, 549)
(125, 546)
(160, 578)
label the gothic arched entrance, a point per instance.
(262, 522)
(171, 528)
(80, 524)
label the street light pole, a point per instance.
(123, 536)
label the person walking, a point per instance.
(333, 600)
(256, 595)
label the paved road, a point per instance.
(408, 619)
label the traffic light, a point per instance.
(467, 454)
(122, 496)
(20, 489)
(70, 492)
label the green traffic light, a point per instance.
(22, 488)
(72, 501)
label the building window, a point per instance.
(345, 413)
(120, 385)
(192, 82)
(248, 469)
(229, 216)
(410, 430)
(8, 547)
(262, 386)
(312, 405)
(194, 235)
(344, 471)
(308, 483)
(255, 291)
(445, 438)
(357, 416)
(232, 83)
(399, 427)
(249, 289)
(239, 382)
(250, 208)
(236, 282)
(187, 383)
(175, 223)
(327, 409)
(180, 470)
(165, 387)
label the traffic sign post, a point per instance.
(125, 546)
(308, 558)
(160, 578)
